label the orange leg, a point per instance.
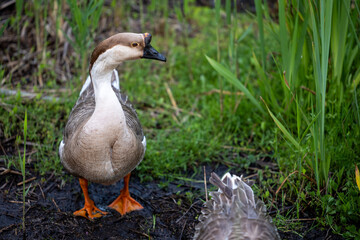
(124, 203)
(89, 210)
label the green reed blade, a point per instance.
(282, 128)
(230, 77)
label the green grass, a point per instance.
(313, 138)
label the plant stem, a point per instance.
(217, 9)
(23, 170)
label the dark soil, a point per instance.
(167, 214)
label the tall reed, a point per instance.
(317, 50)
(84, 21)
(259, 14)
(41, 11)
(308, 35)
(220, 80)
(19, 8)
(182, 14)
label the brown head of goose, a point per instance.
(103, 138)
(234, 213)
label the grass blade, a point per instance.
(259, 14)
(22, 166)
(230, 77)
(286, 133)
(245, 34)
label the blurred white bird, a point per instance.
(234, 213)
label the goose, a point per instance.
(234, 213)
(103, 139)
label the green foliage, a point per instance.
(45, 121)
(341, 211)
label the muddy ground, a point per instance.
(168, 212)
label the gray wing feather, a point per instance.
(131, 117)
(81, 112)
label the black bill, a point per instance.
(150, 52)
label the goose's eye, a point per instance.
(134, 44)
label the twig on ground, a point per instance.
(5, 106)
(51, 176)
(42, 192)
(300, 219)
(49, 187)
(172, 99)
(245, 149)
(5, 171)
(271, 165)
(57, 207)
(5, 5)
(167, 106)
(191, 111)
(19, 202)
(3, 186)
(187, 211)
(34, 144)
(183, 229)
(15, 65)
(175, 119)
(277, 191)
(3, 149)
(212, 91)
(28, 95)
(206, 193)
(141, 233)
(8, 227)
(9, 139)
(250, 176)
(283, 209)
(26, 181)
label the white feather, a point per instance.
(116, 82)
(86, 85)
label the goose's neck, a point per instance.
(102, 86)
(100, 74)
(108, 112)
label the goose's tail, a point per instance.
(234, 212)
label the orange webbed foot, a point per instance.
(90, 211)
(125, 204)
